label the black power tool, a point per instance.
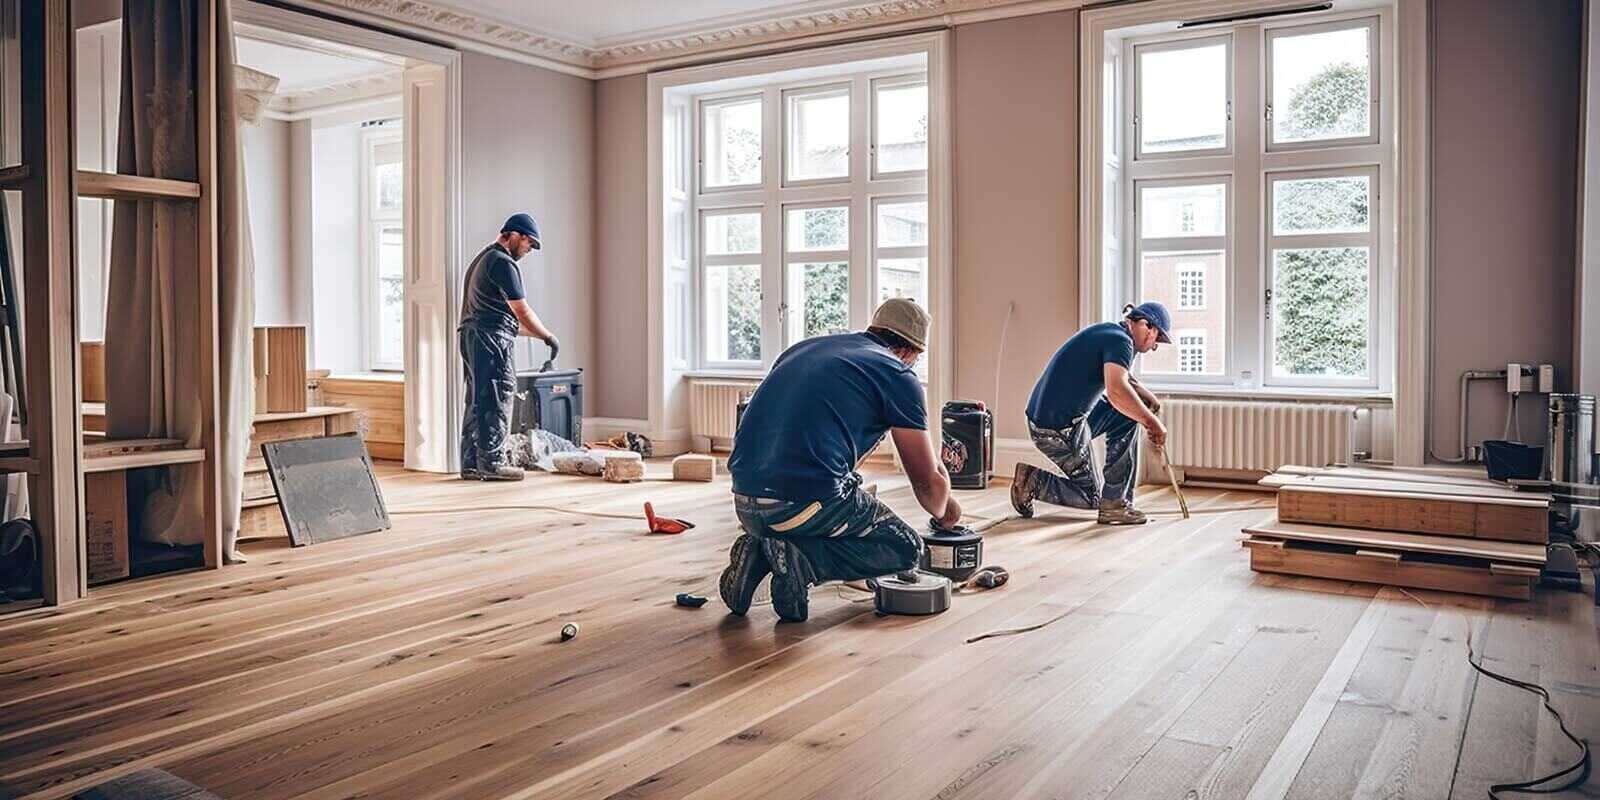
(955, 553)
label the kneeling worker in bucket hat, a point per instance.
(826, 403)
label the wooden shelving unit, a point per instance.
(55, 456)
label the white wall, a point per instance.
(1587, 341)
(338, 330)
(268, 165)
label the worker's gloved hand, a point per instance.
(555, 347)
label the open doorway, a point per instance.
(353, 243)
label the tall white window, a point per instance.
(383, 245)
(1248, 176)
(812, 201)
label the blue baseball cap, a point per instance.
(523, 224)
(1155, 314)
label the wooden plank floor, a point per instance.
(424, 663)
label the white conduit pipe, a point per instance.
(1466, 377)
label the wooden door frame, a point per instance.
(430, 436)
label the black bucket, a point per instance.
(1508, 460)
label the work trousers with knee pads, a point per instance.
(491, 385)
(1068, 448)
(847, 538)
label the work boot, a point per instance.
(791, 580)
(471, 474)
(504, 472)
(747, 565)
(1120, 512)
(1022, 489)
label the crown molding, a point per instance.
(684, 44)
(338, 96)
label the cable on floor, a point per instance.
(516, 507)
(1579, 770)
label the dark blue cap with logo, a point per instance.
(523, 224)
(1155, 314)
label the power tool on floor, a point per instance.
(951, 557)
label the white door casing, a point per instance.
(430, 417)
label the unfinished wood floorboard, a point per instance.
(424, 663)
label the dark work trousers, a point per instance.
(1068, 447)
(491, 384)
(845, 538)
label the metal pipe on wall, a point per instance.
(1466, 378)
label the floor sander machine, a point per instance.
(951, 558)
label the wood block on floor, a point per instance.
(623, 466)
(694, 467)
(1441, 573)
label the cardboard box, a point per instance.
(106, 525)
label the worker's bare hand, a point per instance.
(952, 514)
(1157, 431)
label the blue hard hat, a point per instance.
(1155, 314)
(523, 224)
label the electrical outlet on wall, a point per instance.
(1547, 378)
(1519, 378)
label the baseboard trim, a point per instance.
(597, 428)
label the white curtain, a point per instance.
(152, 347)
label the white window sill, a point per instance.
(726, 374)
(1367, 397)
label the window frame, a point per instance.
(702, 260)
(372, 224)
(775, 196)
(1270, 39)
(793, 259)
(700, 163)
(1370, 239)
(1107, 279)
(788, 97)
(894, 81)
(1178, 344)
(1136, 106)
(1180, 245)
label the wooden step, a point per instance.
(1415, 570)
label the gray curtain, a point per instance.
(152, 348)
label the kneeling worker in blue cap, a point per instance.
(494, 310)
(1086, 391)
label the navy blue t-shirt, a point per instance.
(1076, 377)
(493, 281)
(827, 402)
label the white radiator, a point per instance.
(1253, 436)
(713, 406)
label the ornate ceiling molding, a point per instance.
(468, 29)
(301, 103)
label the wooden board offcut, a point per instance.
(1508, 552)
(1378, 567)
(1437, 514)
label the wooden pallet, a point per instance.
(1416, 570)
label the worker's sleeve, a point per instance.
(1119, 351)
(904, 405)
(507, 278)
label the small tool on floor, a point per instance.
(911, 593)
(690, 600)
(664, 524)
(955, 552)
(569, 631)
(1173, 476)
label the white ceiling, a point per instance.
(607, 22)
(298, 69)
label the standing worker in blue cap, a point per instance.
(494, 310)
(1086, 391)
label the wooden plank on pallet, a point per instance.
(1426, 514)
(1292, 559)
(1483, 494)
(1448, 478)
(1509, 552)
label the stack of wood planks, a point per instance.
(1455, 532)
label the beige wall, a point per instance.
(1504, 150)
(619, 380)
(528, 144)
(1016, 199)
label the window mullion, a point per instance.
(772, 277)
(1247, 292)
